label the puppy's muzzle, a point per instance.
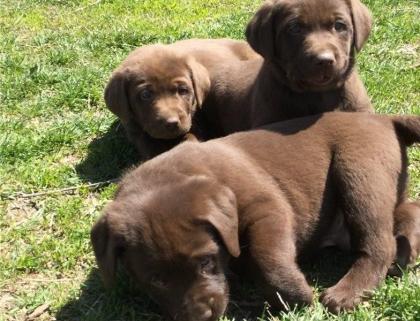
(200, 309)
(168, 128)
(322, 70)
(172, 124)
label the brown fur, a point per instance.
(158, 88)
(307, 66)
(294, 37)
(407, 232)
(242, 90)
(268, 195)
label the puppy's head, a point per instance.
(312, 42)
(175, 240)
(158, 89)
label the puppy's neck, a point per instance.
(286, 103)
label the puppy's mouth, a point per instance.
(162, 132)
(167, 135)
(321, 80)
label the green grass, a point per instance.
(55, 132)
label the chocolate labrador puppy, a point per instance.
(158, 88)
(269, 196)
(308, 49)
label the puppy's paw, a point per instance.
(339, 298)
(395, 270)
(300, 295)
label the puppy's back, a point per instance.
(223, 49)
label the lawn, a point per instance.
(60, 149)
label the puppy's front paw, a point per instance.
(339, 298)
(289, 296)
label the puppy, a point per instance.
(158, 88)
(308, 49)
(268, 196)
(308, 52)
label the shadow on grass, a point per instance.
(328, 267)
(122, 303)
(109, 156)
(126, 303)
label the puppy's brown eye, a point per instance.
(340, 26)
(294, 28)
(207, 265)
(182, 90)
(146, 94)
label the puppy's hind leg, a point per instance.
(369, 195)
(407, 234)
(272, 250)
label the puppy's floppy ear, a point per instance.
(200, 79)
(116, 95)
(362, 23)
(106, 246)
(224, 218)
(260, 32)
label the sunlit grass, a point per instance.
(55, 132)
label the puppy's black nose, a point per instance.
(172, 123)
(325, 59)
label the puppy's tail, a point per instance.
(407, 128)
